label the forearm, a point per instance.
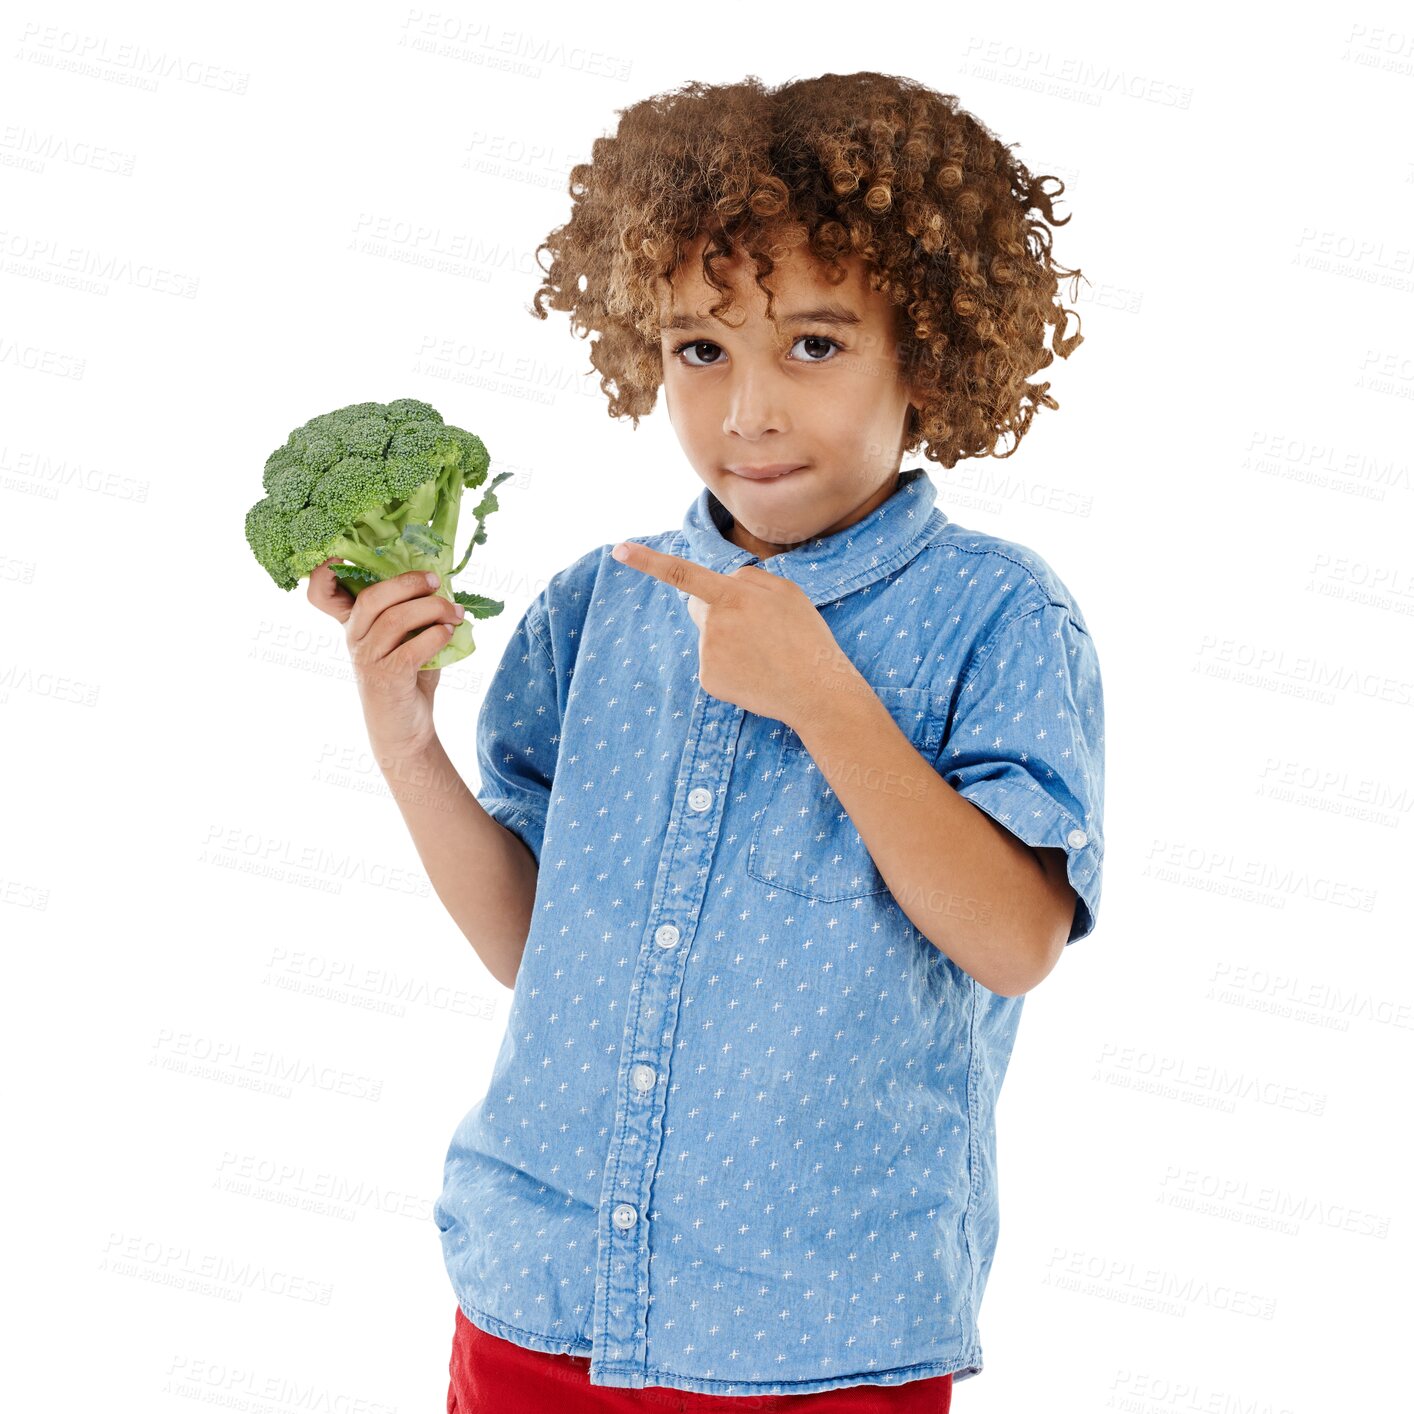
(484, 874)
(974, 890)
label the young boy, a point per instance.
(790, 806)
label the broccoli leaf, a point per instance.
(477, 605)
(353, 577)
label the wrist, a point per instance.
(403, 757)
(832, 683)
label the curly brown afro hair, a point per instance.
(871, 165)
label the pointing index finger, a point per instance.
(682, 574)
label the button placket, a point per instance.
(622, 1294)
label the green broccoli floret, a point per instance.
(378, 485)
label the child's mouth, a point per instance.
(775, 472)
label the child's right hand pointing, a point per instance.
(382, 624)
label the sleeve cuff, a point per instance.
(526, 823)
(1036, 820)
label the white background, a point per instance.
(217, 222)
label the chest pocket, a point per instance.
(805, 841)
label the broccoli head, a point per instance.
(379, 486)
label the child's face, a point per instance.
(754, 395)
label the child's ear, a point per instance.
(910, 389)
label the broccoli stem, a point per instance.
(479, 534)
(378, 523)
(458, 646)
(358, 553)
(394, 557)
(449, 501)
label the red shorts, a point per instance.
(495, 1376)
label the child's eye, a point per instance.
(707, 343)
(818, 339)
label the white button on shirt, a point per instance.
(739, 1138)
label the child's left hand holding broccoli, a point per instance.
(762, 645)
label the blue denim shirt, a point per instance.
(739, 1135)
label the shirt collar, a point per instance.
(829, 566)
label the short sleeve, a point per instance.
(1026, 743)
(518, 736)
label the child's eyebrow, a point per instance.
(835, 314)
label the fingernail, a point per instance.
(620, 551)
(432, 580)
